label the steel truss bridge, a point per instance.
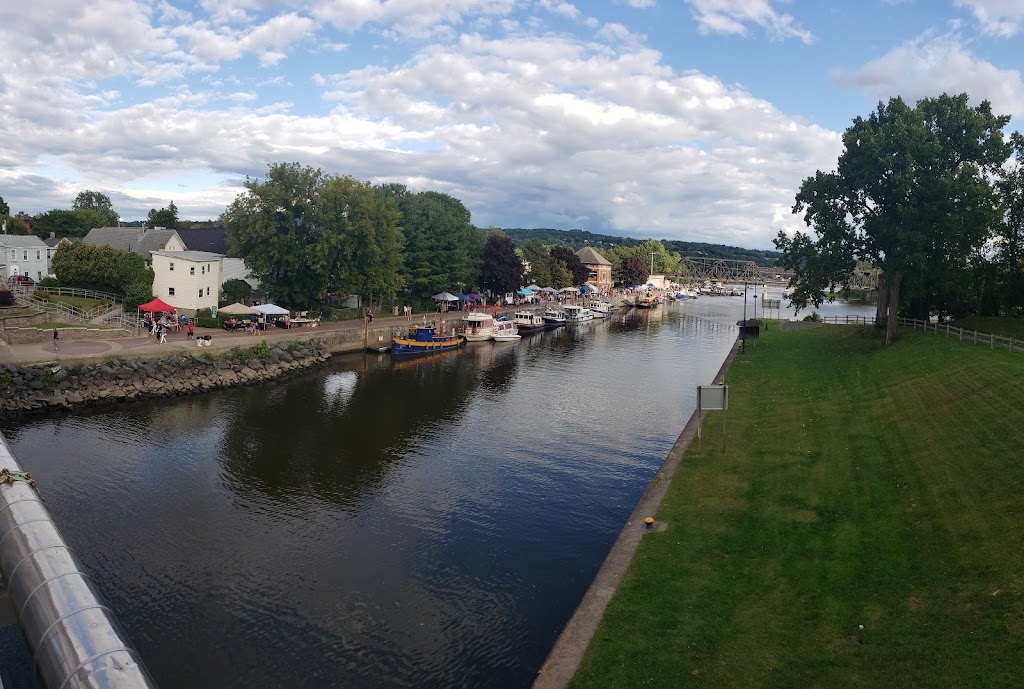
(699, 268)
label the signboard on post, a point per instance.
(213, 310)
(712, 398)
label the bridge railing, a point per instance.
(993, 341)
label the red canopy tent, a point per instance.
(156, 305)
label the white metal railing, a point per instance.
(849, 320)
(1010, 344)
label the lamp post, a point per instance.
(744, 317)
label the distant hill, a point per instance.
(577, 239)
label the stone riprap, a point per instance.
(26, 389)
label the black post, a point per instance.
(744, 317)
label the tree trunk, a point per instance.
(882, 306)
(894, 306)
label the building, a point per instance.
(214, 240)
(600, 268)
(137, 240)
(187, 280)
(53, 243)
(24, 254)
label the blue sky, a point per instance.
(674, 119)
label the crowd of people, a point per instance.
(158, 327)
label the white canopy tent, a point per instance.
(445, 296)
(237, 309)
(270, 310)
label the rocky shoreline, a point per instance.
(27, 389)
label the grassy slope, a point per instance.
(1007, 327)
(862, 486)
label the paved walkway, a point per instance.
(138, 347)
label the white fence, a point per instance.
(993, 341)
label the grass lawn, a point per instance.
(995, 325)
(862, 485)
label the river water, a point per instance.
(430, 523)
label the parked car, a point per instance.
(21, 280)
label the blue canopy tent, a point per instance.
(526, 292)
(587, 288)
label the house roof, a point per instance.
(137, 240)
(191, 255)
(22, 241)
(214, 239)
(588, 256)
(54, 241)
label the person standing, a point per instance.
(56, 339)
(191, 330)
(163, 334)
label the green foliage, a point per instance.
(234, 290)
(443, 249)
(1010, 231)
(15, 225)
(293, 347)
(48, 281)
(67, 223)
(4, 208)
(6, 377)
(538, 255)
(135, 293)
(570, 262)
(247, 354)
(814, 317)
(6, 297)
(634, 271)
(102, 268)
(205, 319)
(100, 203)
(165, 217)
(502, 267)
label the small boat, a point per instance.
(577, 314)
(530, 322)
(423, 339)
(646, 301)
(601, 308)
(554, 317)
(477, 326)
(506, 331)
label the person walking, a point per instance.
(191, 330)
(56, 339)
(162, 333)
(369, 316)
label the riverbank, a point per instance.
(860, 529)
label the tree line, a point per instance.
(933, 195)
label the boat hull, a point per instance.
(406, 347)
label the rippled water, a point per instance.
(426, 524)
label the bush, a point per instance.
(815, 317)
(204, 319)
(48, 281)
(6, 297)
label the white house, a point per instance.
(24, 254)
(187, 280)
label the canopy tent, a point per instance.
(587, 288)
(474, 296)
(526, 292)
(568, 289)
(549, 290)
(534, 287)
(237, 309)
(156, 305)
(446, 296)
(464, 297)
(269, 310)
(651, 284)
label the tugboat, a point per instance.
(423, 339)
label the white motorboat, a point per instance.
(554, 316)
(601, 308)
(477, 326)
(530, 322)
(506, 331)
(577, 314)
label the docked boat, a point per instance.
(646, 301)
(554, 317)
(506, 331)
(577, 314)
(423, 339)
(529, 322)
(477, 326)
(601, 308)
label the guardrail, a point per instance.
(1010, 344)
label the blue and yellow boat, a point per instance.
(423, 339)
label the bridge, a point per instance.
(701, 268)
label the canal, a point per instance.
(429, 523)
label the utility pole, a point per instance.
(652, 261)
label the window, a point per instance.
(207, 291)
(203, 270)
(38, 256)
(40, 275)
(170, 291)
(200, 292)
(172, 266)
(192, 270)
(25, 257)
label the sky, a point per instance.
(674, 119)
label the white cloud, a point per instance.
(932, 65)
(637, 4)
(410, 18)
(733, 16)
(997, 17)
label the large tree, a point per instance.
(443, 251)
(105, 269)
(288, 234)
(1010, 234)
(165, 217)
(65, 223)
(634, 271)
(912, 193)
(4, 208)
(502, 267)
(571, 262)
(537, 254)
(100, 203)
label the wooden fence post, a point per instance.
(1011, 344)
(975, 337)
(992, 341)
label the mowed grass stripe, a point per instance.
(862, 485)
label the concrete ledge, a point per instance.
(567, 653)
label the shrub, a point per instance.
(815, 317)
(6, 297)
